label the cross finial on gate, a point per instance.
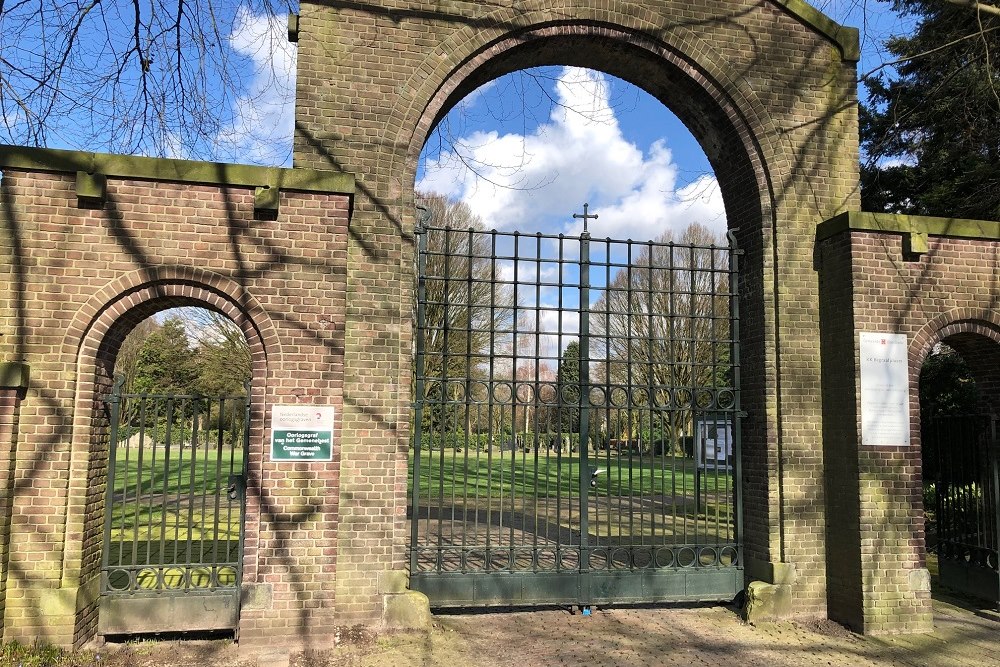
(585, 216)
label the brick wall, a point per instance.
(875, 499)
(773, 103)
(80, 277)
(11, 393)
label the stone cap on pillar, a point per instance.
(13, 375)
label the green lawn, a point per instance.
(153, 495)
(464, 474)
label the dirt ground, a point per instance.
(964, 636)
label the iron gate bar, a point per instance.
(961, 460)
(476, 537)
(162, 573)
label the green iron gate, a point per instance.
(174, 513)
(576, 420)
(960, 459)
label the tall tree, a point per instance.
(127, 360)
(930, 131)
(467, 312)
(663, 324)
(568, 386)
(223, 355)
(166, 361)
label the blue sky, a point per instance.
(606, 142)
(529, 165)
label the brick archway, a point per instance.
(768, 89)
(975, 336)
(96, 335)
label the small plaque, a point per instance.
(302, 433)
(885, 390)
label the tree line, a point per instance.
(196, 352)
(660, 328)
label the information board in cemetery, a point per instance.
(885, 390)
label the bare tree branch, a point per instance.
(978, 6)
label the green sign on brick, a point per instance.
(302, 433)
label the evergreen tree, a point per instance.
(568, 382)
(930, 131)
(167, 364)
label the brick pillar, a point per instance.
(13, 383)
(877, 581)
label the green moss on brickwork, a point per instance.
(176, 171)
(847, 39)
(908, 224)
(14, 375)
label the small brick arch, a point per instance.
(975, 336)
(96, 334)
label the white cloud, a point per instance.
(263, 118)
(536, 181)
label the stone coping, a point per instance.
(134, 167)
(14, 375)
(846, 38)
(908, 224)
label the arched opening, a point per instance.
(173, 368)
(540, 452)
(958, 419)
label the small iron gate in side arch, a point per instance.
(174, 512)
(576, 432)
(961, 468)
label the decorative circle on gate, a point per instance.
(502, 392)
(729, 557)
(456, 391)
(148, 579)
(664, 557)
(571, 395)
(599, 559)
(201, 577)
(703, 398)
(708, 556)
(642, 557)
(686, 557)
(524, 560)
(432, 391)
(226, 576)
(476, 561)
(661, 397)
(501, 560)
(569, 559)
(548, 394)
(546, 560)
(682, 398)
(619, 397)
(479, 392)
(451, 560)
(597, 396)
(621, 559)
(991, 560)
(426, 561)
(640, 397)
(120, 580)
(174, 578)
(525, 392)
(726, 399)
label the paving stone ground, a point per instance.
(964, 636)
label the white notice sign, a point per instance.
(885, 390)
